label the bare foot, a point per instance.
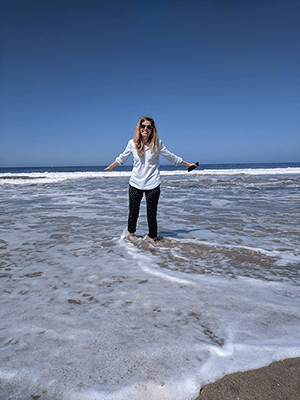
(156, 239)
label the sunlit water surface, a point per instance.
(87, 313)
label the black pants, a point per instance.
(135, 197)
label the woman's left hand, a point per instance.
(186, 164)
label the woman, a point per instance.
(145, 177)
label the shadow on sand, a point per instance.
(175, 233)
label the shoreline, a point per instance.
(277, 381)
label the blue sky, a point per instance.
(220, 78)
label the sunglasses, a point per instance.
(146, 126)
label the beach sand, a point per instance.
(278, 381)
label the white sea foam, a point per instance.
(88, 313)
(51, 177)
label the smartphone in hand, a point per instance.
(196, 164)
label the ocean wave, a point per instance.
(52, 177)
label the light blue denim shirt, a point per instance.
(145, 172)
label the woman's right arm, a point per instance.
(111, 166)
(121, 159)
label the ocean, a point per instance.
(89, 314)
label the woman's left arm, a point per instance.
(186, 164)
(172, 157)
(167, 154)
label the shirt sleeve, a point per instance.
(123, 157)
(168, 155)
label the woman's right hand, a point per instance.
(111, 166)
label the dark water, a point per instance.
(4, 170)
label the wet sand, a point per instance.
(278, 381)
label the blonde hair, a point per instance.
(152, 141)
